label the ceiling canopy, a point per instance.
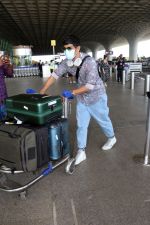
(37, 22)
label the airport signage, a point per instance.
(109, 52)
(135, 67)
(53, 42)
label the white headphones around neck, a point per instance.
(77, 62)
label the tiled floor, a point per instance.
(109, 188)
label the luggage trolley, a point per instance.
(9, 185)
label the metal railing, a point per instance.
(25, 71)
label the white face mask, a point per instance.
(70, 54)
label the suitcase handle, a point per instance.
(66, 108)
(35, 97)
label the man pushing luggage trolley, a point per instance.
(90, 93)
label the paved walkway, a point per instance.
(109, 188)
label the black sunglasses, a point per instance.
(69, 48)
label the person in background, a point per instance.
(52, 65)
(90, 93)
(120, 67)
(105, 70)
(3, 90)
(71, 78)
(40, 67)
(8, 67)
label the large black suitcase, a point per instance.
(23, 148)
(58, 136)
(34, 108)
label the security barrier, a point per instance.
(123, 78)
(147, 84)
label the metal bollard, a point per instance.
(147, 84)
(116, 73)
(110, 71)
(123, 77)
(132, 81)
(147, 144)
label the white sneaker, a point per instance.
(81, 156)
(109, 144)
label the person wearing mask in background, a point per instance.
(90, 93)
(120, 67)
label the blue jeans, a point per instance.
(100, 112)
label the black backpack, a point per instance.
(78, 69)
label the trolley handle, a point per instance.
(66, 107)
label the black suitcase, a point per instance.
(34, 108)
(23, 148)
(58, 133)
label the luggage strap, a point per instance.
(61, 142)
(11, 134)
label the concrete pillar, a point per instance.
(133, 49)
(94, 52)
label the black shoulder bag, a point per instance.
(78, 69)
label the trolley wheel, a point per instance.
(23, 195)
(70, 166)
